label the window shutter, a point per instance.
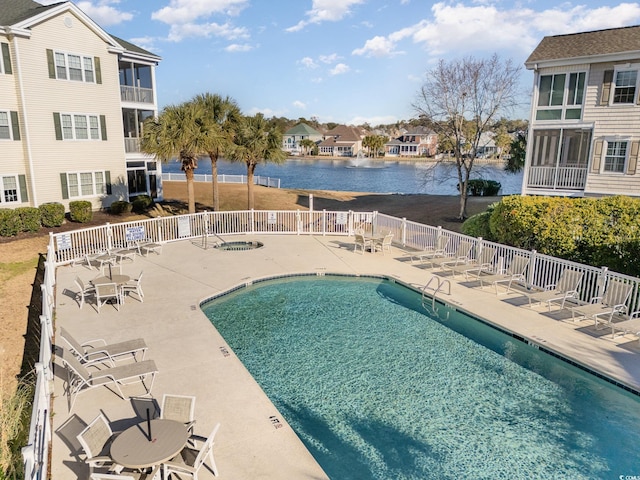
(22, 180)
(57, 125)
(96, 64)
(606, 87)
(107, 181)
(51, 63)
(633, 158)
(15, 125)
(103, 127)
(597, 155)
(65, 187)
(6, 58)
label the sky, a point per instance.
(343, 61)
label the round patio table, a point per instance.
(118, 279)
(133, 448)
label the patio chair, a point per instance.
(514, 272)
(565, 288)
(459, 257)
(484, 263)
(384, 244)
(79, 379)
(149, 246)
(180, 408)
(95, 440)
(437, 250)
(106, 292)
(189, 461)
(84, 291)
(362, 243)
(134, 286)
(98, 350)
(612, 302)
(630, 325)
(113, 269)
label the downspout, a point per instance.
(529, 151)
(32, 180)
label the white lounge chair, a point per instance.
(459, 257)
(99, 350)
(515, 272)
(565, 288)
(613, 301)
(437, 250)
(630, 325)
(79, 379)
(362, 243)
(189, 461)
(84, 291)
(484, 263)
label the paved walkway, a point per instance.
(193, 359)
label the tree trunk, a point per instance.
(250, 169)
(191, 195)
(214, 183)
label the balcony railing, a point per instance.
(136, 94)
(131, 144)
(564, 178)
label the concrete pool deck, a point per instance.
(254, 440)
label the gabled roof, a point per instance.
(130, 47)
(344, 133)
(14, 11)
(302, 129)
(623, 42)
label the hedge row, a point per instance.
(30, 219)
(598, 232)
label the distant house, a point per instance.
(72, 99)
(487, 145)
(416, 142)
(292, 137)
(584, 134)
(341, 141)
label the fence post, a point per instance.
(298, 222)
(252, 220)
(324, 222)
(109, 236)
(532, 268)
(602, 281)
(403, 232)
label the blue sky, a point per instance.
(345, 61)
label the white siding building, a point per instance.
(69, 95)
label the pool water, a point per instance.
(376, 389)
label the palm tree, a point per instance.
(222, 116)
(179, 131)
(308, 145)
(256, 142)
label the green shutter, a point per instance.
(103, 127)
(22, 180)
(597, 155)
(6, 58)
(51, 63)
(65, 187)
(57, 125)
(15, 125)
(633, 158)
(107, 181)
(96, 64)
(606, 87)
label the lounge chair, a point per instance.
(84, 291)
(384, 244)
(99, 350)
(459, 257)
(484, 263)
(362, 243)
(514, 272)
(565, 288)
(79, 379)
(437, 250)
(613, 301)
(630, 325)
(189, 461)
(134, 286)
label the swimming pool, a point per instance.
(377, 389)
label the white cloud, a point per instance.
(377, 47)
(414, 78)
(329, 58)
(235, 47)
(308, 62)
(185, 11)
(339, 69)
(102, 12)
(179, 32)
(300, 105)
(325, 11)
(148, 43)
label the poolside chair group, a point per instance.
(565, 288)
(603, 309)
(515, 272)
(433, 251)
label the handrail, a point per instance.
(441, 282)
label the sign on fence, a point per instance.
(134, 234)
(64, 241)
(184, 227)
(272, 218)
(341, 218)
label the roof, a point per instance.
(302, 129)
(587, 44)
(344, 133)
(14, 11)
(131, 47)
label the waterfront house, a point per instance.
(292, 138)
(584, 131)
(72, 99)
(341, 141)
(415, 142)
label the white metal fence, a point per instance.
(73, 246)
(257, 179)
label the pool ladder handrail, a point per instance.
(205, 238)
(441, 283)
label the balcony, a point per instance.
(136, 94)
(557, 178)
(131, 145)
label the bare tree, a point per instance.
(461, 99)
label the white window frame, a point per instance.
(3, 200)
(565, 105)
(605, 149)
(75, 182)
(8, 125)
(624, 68)
(64, 65)
(71, 125)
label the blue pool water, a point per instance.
(377, 389)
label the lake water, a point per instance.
(363, 176)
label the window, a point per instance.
(72, 67)
(625, 86)
(5, 128)
(84, 184)
(5, 59)
(9, 189)
(79, 127)
(615, 157)
(560, 96)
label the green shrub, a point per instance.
(51, 214)
(30, 218)
(141, 203)
(120, 207)
(10, 223)
(80, 211)
(484, 188)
